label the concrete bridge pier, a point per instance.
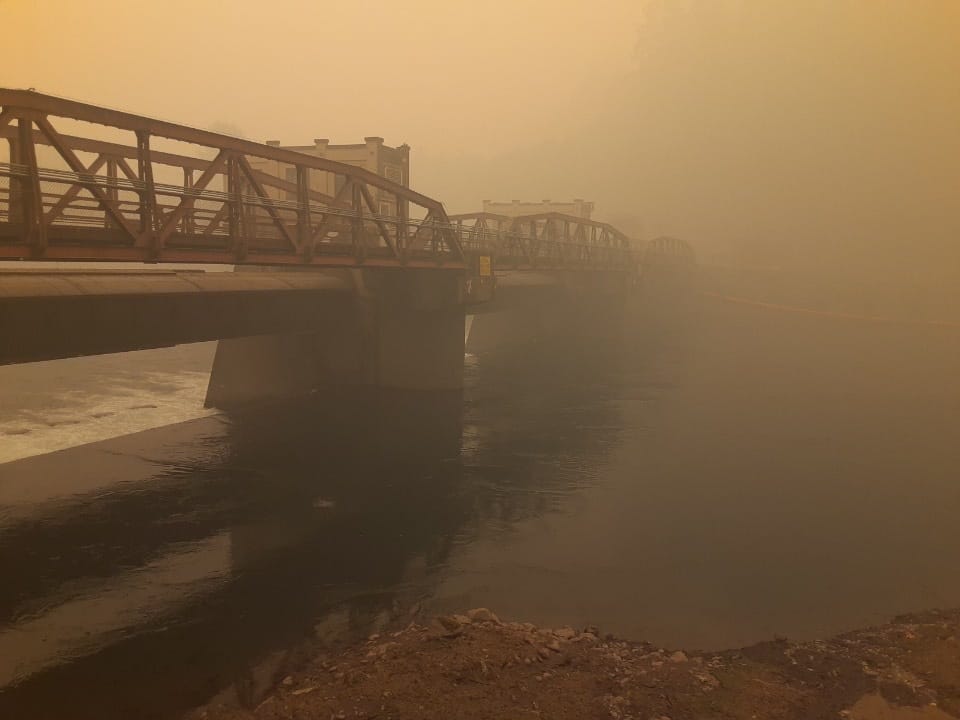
(400, 329)
(415, 322)
(532, 308)
(517, 319)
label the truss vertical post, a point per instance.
(356, 221)
(188, 223)
(235, 210)
(30, 200)
(403, 210)
(304, 234)
(113, 191)
(534, 244)
(149, 216)
(549, 235)
(13, 199)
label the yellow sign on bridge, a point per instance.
(486, 269)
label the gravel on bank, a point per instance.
(475, 666)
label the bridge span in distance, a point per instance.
(324, 289)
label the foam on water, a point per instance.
(45, 407)
(102, 417)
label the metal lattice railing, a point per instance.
(228, 200)
(220, 199)
(547, 240)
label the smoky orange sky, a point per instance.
(808, 132)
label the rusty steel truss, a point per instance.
(668, 250)
(545, 241)
(123, 187)
(216, 199)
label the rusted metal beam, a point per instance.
(237, 227)
(402, 230)
(356, 222)
(304, 240)
(50, 105)
(112, 190)
(31, 201)
(149, 213)
(267, 201)
(73, 191)
(480, 216)
(81, 144)
(339, 199)
(273, 181)
(217, 219)
(187, 218)
(67, 154)
(384, 231)
(269, 234)
(127, 170)
(186, 203)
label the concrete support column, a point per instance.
(403, 330)
(537, 308)
(418, 329)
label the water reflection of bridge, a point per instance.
(230, 538)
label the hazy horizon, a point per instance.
(814, 134)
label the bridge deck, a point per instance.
(50, 315)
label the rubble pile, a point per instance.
(472, 665)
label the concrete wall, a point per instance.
(533, 308)
(403, 330)
(290, 334)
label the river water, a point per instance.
(709, 476)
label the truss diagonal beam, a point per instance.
(189, 197)
(73, 191)
(267, 201)
(71, 159)
(381, 226)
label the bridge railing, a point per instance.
(547, 240)
(668, 251)
(156, 191)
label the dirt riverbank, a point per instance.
(474, 666)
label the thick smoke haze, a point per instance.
(817, 134)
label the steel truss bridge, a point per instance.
(86, 183)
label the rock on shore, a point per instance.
(472, 665)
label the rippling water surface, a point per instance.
(709, 476)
